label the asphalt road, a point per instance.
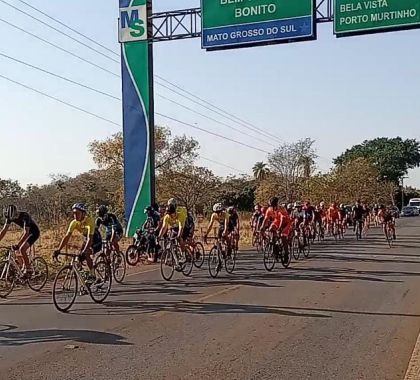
(351, 311)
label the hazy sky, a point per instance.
(336, 91)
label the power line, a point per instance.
(59, 31)
(208, 108)
(215, 120)
(59, 47)
(59, 76)
(230, 116)
(221, 164)
(119, 125)
(242, 122)
(68, 27)
(60, 101)
(212, 133)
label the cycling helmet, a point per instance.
(172, 201)
(101, 211)
(148, 209)
(297, 204)
(79, 206)
(256, 208)
(10, 212)
(382, 207)
(230, 209)
(341, 205)
(290, 206)
(274, 202)
(171, 209)
(322, 204)
(217, 207)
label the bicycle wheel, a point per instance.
(199, 254)
(269, 259)
(100, 289)
(132, 255)
(188, 265)
(285, 261)
(7, 278)
(214, 262)
(119, 268)
(39, 275)
(230, 261)
(306, 248)
(167, 264)
(295, 247)
(65, 288)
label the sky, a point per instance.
(339, 92)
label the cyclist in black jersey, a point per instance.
(30, 231)
(113, 227)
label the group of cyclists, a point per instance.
(319, 220)
(177, 221)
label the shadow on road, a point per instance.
(9, 337)
(192, 307)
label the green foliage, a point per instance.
(392, 157)
(238, 192)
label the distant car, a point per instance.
(409, 211)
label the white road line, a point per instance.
(413, 370)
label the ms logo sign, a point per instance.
(133, 25)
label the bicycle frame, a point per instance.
(11, 259)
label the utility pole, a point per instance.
(402, 191)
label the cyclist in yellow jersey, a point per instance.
(87, 227)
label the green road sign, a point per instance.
(368, 16)
(230, 23)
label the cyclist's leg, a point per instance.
(23, 249)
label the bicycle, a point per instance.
(173, 259)
(298, 244)
(141, 249)
(274, 252)
(219, 258)
(115, 259)
(358, 228)
(68, 278)
(389, 233)
(11, 273)
(198, 252)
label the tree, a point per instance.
(392, 157)
(292, 163)
(356, 179)
(238, 192)
(175, 152)
(260, 171)
(191, 186)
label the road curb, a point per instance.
(413, 370)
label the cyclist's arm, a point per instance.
(24, 236)
(164, 228)
(89, 240)
(212, 219)
(4, 230)
(180, 229)
(64, 241)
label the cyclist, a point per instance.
(358, 213)
(30, 232)
(255, 218)
(86, 225)
(298, 216)
(333, 217)
(113, 227)
(385, 217)
(172, 223)
(233, 225)
(220, 216)
(309, 212)
(343, 214)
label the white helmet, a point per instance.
(322, 204)
(298, 204)
(172, 201)
(10, 212)
(217, 207)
